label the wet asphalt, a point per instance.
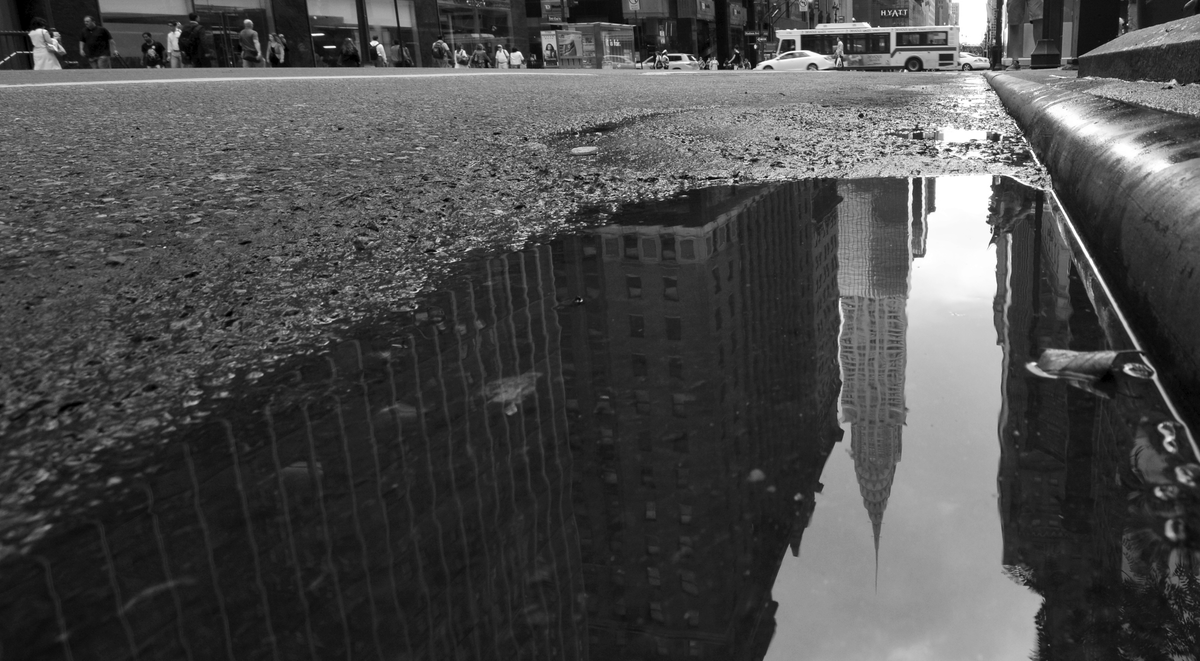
(167, 237)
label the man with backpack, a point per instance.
(441, 53)
(191, 43)
(376, 53)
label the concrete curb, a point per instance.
(1130, 179)
(1160, 52)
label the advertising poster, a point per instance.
(549, 48)
(570, 44)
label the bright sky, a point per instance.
(972, 19)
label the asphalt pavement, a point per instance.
(168, 237)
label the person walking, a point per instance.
(516, 60)
(191, 43)
(461, 59)
(442, 53)
(45, 46)
(501, 57)
(173, 55)
(96, 45)
(275, 53)
(349, 56)
(839, 54)
(251, 50)
(378, 54)
(480, 59)
(153, 52)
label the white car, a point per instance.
(677, 62)
(967, 62)
(797, 60)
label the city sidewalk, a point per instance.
(1125, 161)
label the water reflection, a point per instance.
(604, 447)
(1109, 578)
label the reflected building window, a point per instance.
(656, 612)
(670, 289)
(653, 577)
(685, 513)
(633, 284)
(638, 362)
(637, 325)
(651, 511)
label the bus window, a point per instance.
(879, 44)
(922, 39)
(787, 45)
(856, 44)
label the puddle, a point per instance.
(954, 136)
(779, 421)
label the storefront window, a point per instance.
(469, 22)
(224, 21)
(332, 23)
(126, 20)
(392, 22)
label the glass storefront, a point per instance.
(126, 20)
(224, 22)
(469, 22)
(323, 24)
(393, 23)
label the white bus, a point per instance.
(865, 47)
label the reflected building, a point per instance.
(1067, 526)
(881, 229)
(404, 495)
(701, 379)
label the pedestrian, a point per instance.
(349, 56)
(377, 54)
(96, 45)
(516, 60)
(285, 57)
(839, 54)
(461, 59)
(173, 55)
(191, 43)
(45, 47)
(275, 54)
(480, 59)
(501, 57)
(251, 50)
(661, 61)
(441, 53)
(153, 52)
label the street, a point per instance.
(170, 239)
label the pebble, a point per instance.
(584, 151)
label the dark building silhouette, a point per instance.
(702, 379)
(1068, 457)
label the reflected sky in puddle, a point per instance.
(778, 421)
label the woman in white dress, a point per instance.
(45, 56)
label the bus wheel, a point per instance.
(812, 67)
(913, 64)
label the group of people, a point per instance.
(483, 57)
(185, 46)
(377, 55)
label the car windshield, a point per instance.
(789, 56)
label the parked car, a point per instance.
(678, 62)
(967, 62)
(796, 60)
(618, 62)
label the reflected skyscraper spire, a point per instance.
(881, 225)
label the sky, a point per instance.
(972, 20)
(941, 593)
